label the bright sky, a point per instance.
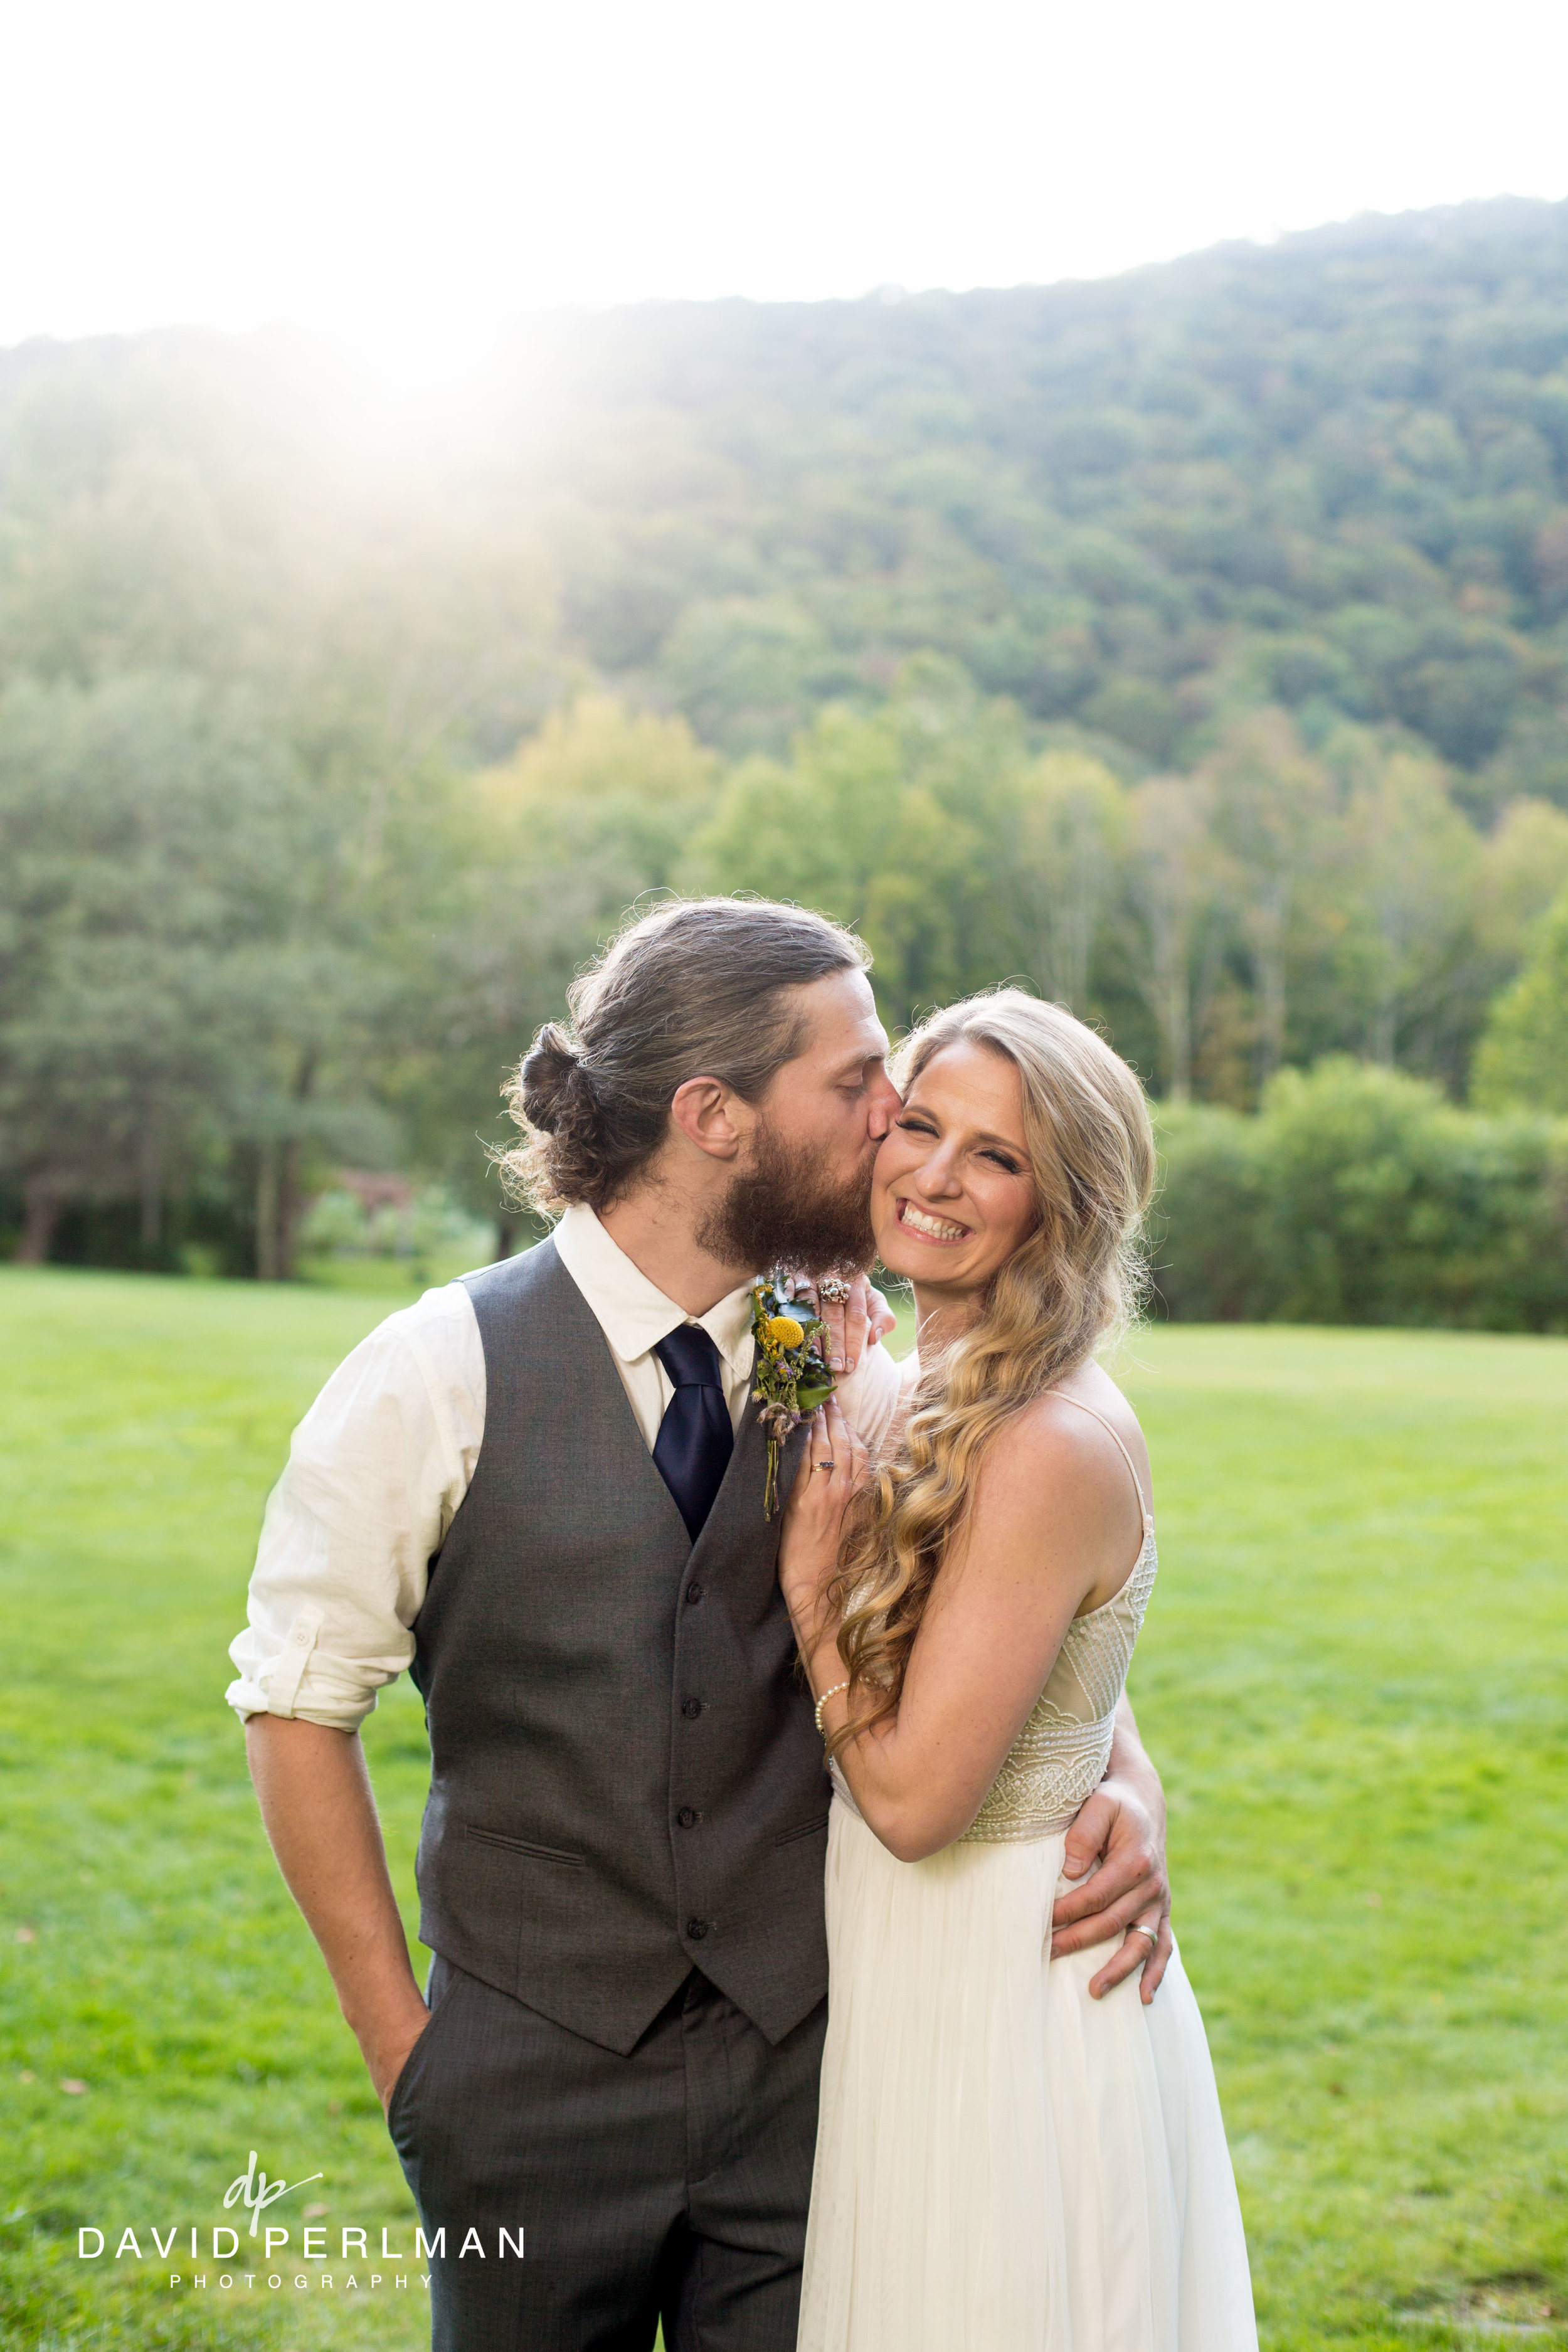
(412, 178)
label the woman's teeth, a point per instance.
(938, 1228)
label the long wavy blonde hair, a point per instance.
(1070, 1284)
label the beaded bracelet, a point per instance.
(822, 1702)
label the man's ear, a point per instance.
(713, 1117)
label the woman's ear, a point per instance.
(713, 1117)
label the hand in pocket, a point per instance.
(390, 2044)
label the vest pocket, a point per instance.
(802, 1829)
(525, 1845)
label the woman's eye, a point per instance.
(1001, 1160)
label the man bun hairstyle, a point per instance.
(698, 988)
(550, 1076)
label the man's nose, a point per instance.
(885, 1101)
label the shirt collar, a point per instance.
(633, 1312)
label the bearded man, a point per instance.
(540, 1490)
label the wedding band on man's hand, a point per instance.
(1138, 1928)
(833, 1286)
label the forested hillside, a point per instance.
(1194, 644)
(1329, 474)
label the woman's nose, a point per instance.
(939, 1177)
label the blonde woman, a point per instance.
(1004, 2162)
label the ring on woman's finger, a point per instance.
(823, 1465)
(833, 1286)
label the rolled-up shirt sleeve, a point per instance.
(375, 1472)
(869, 1397)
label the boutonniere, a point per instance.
(790, 1378)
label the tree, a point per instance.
(862, 824)
(1071, 823)
(1177, 893)
(600, 776)
(1523, 1056)
(136, 814)
(294, 1019)
(1272, 801)
(749, 670)
(1415, 860)
(1524, 865)
(196, 956)
(549, 848)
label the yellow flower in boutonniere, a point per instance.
(789, 1377)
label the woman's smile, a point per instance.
(931, 1228)
(953, 1192)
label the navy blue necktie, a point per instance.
(695, 1439)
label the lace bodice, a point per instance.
(1058, 1758)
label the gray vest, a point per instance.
(626, 1781)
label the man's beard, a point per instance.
(779, 1212)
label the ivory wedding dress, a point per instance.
(1004, 2165)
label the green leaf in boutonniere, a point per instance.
(790, 1378)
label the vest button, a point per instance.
(691, 1706)
(687, 1817)
(695, 1929)
(694, 1592)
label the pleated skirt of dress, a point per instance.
(1004, 2165)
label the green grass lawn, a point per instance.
(1352, 1677)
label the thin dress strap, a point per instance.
(1096, 1415)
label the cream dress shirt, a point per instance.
(380, 1463)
